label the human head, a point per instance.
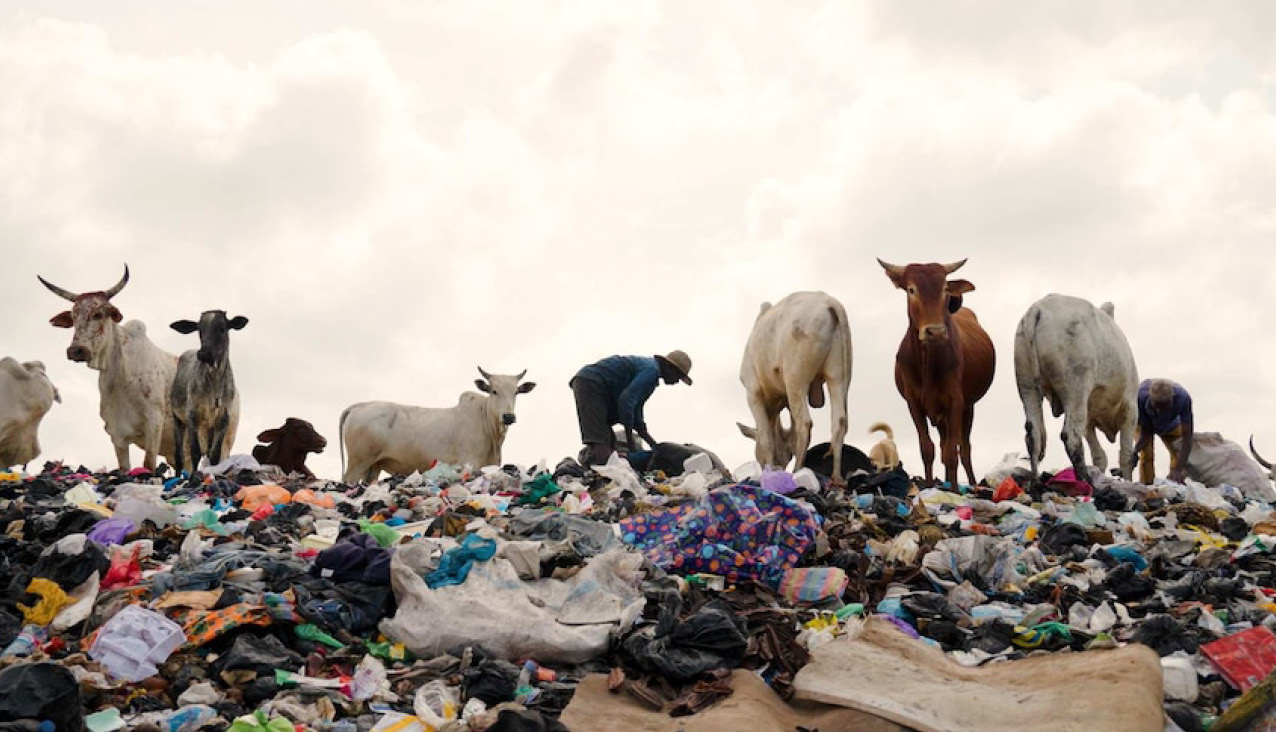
(674, 367)
(1160, 394)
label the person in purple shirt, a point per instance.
(613, 391)
(1165, 410)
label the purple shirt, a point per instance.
(1159, 423)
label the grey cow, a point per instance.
(1075, 355)
(204, 399)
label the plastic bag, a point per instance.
(436, 703)
(126, 569)
(778, 481)
(112, 530)
(41, 691)
(1215, 461)
(682, 650)
(134, 642)
(622, 476)
(455, 565)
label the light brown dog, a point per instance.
(885, 455)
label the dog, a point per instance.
(885, 455)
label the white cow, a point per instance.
(796, 348)
(26, 395)
(401, 439)
(1075, 355)
(135, 374)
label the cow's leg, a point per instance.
(837, 410)
(1126, 454)
(179, 446)
(949, 442)
(192, 436)
(1075, 417)
(764, 441)
(121, 454)
(218, 437)
(1098, 455)
(1034, 426)
(967, 422)
(923, 440)
(151, 441)
(800, 413)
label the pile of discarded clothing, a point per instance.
(520, 598)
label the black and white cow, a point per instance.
(204, 399)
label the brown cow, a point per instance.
(945, 363)
(288, 445)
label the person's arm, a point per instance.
(634, 396)
(1185, 451)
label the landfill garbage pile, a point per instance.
(241, 598)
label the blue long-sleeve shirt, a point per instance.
(630, 381)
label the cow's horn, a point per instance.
(521, 374)
(119, 285)
(1257, 457)
(893, 269)
(65, 294)
(485, 374)
(950, 268)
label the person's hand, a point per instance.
(1176, 475)
(651, 441)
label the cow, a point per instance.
(135, 375)
(945, 362)
(1075, 355)
(286, 446)
(796, 348)
(204, 399)
(401, 439)
(26, 395)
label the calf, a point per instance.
(796, 348)
(205, 401)
(135, 375)
(945, 363)
(1075, 355)
(26, 395)
(400, 439)
(288, 445)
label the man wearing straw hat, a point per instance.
(613, 391)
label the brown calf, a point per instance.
(287, 446)
(945, 363)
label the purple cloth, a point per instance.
(1161, 422)
(111, 531)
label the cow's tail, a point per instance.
(341, 439)
(882, 427)
(839, 319)
(1027, 334)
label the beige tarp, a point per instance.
(753, 707)
(886, 673)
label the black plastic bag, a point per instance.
(492, 680)
(260, 654)
(1128, 584)
(932, 605)
(1058, 539)
(41, 691)
(711, 638)
(1234, 528)
(1108, 498)
(992, 637)
(525, 720)
(1164, 635)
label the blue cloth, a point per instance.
(455, 565)
(629, 381)
(1159, 423)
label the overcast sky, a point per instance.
(395, 193)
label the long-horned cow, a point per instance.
(944, 364)
(1075, 355)
(797, 346)
(399, 439)
(134, 376)
(204, 398)
(26, 395)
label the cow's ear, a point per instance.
(954, 303)
(483, 386)
(526, 386)
(237, 323)
(115, 314)
(268, 436)
(960, 287)
(62, 320)
(184, 326)
(747, 431)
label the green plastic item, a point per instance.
(207, 519)
(1054, 628)
(390, 651)
(386, 536)
(855, 608)
(257, 722)
(107, 720)
(537, 490)
(311, 632)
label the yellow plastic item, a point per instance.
(52, 600)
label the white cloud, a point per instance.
(396, 194)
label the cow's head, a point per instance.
(931, 296)
(501, 391)
(92, 315)
(781, 442)
(214, 333)
(297, 433)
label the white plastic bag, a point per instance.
(436, 703)
(134, 642)
(1215, 461)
